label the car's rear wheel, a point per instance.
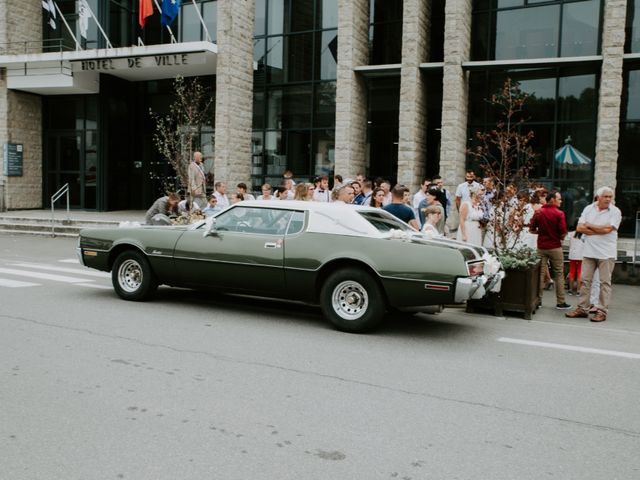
(352, 300)
(132, 276)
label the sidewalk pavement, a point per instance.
(80, 215)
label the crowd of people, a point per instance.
(532, 217)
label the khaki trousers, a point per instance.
(556, 258)
(605, 268)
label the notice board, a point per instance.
(13, 159)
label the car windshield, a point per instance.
(385, 222)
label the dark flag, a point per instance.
(333, 47)
(51, 9)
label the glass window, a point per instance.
(632, 44)
(580, 26)
(385, 32)
(275, 17)
(385, 222)
(210, 16)
(325, 105)
(298, 151)
(577, 98)
(259, 27)
(326, 55)
(290, 107)
(275, 60)
(327, 14)
(253, 220)
(299, 55)
(324, 152)
(632, 108)
(296, 224)
(301, 15)
(527, 33)
(190, 26)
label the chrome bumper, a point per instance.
(79, 254)
(476, 287)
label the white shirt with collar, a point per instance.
(418, 197)
(601, 246)
(321, 195)
(223, 201)
(463, 190)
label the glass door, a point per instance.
(65, 161)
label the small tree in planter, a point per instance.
(504, 153)
(177, 131)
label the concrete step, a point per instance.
(12, 220)
(40, 227)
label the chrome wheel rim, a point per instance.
(130, 276)
(350, 300)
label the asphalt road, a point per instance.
(200, 386)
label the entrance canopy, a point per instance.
(78, 72)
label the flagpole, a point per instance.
(206, 31)
(173, 39)
(99, 26)
(78, 47)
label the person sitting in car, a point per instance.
(162, 210)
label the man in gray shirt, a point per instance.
(161, 209)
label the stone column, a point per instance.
(351, 91)
(455, 91)
(21, 113)
(234, 92)
(413, 109)
(613, 37)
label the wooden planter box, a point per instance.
(519, 293)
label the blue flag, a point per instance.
(170, 9)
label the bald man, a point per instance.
(197, 182)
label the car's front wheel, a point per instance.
(352, 300)
(132, 276)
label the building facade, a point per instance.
(390, 88)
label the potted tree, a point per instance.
(504, 153)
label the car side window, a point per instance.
(265, 221)
(296, 224)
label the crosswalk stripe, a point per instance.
(69, 260)
(5, 282)
(94, 285)
(573, 348)
(77, 271)
(43, 276)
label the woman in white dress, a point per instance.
(471, 213)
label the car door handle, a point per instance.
(272, 245)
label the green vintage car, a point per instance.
(355, 262)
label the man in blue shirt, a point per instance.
(399, 209)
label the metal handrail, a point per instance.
(64, 190)
(636, 243)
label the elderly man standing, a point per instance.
(197, 182)
(550, 225)
(599, 224)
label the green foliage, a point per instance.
(520, 258)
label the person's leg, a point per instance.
(572, 277)
(544, 265)
(578, 275)
(605, 267)
(588, 267)
(557, 272)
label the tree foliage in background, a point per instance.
(504, 152)
(176, 132)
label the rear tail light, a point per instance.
(475, 269)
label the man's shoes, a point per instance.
(563, 306)
(599, 317)
(577, 313)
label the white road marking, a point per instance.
(69, 260)
(77, 271)
(573, 348)
(94, 285)
(43, 276)
(5, 282)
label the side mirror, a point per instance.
(210, 228)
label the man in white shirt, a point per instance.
(421, 194)
(463, 192)
(220, 189)
(321, 193)
(599, 224)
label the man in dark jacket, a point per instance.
(550, 225)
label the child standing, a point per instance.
(576, 246)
